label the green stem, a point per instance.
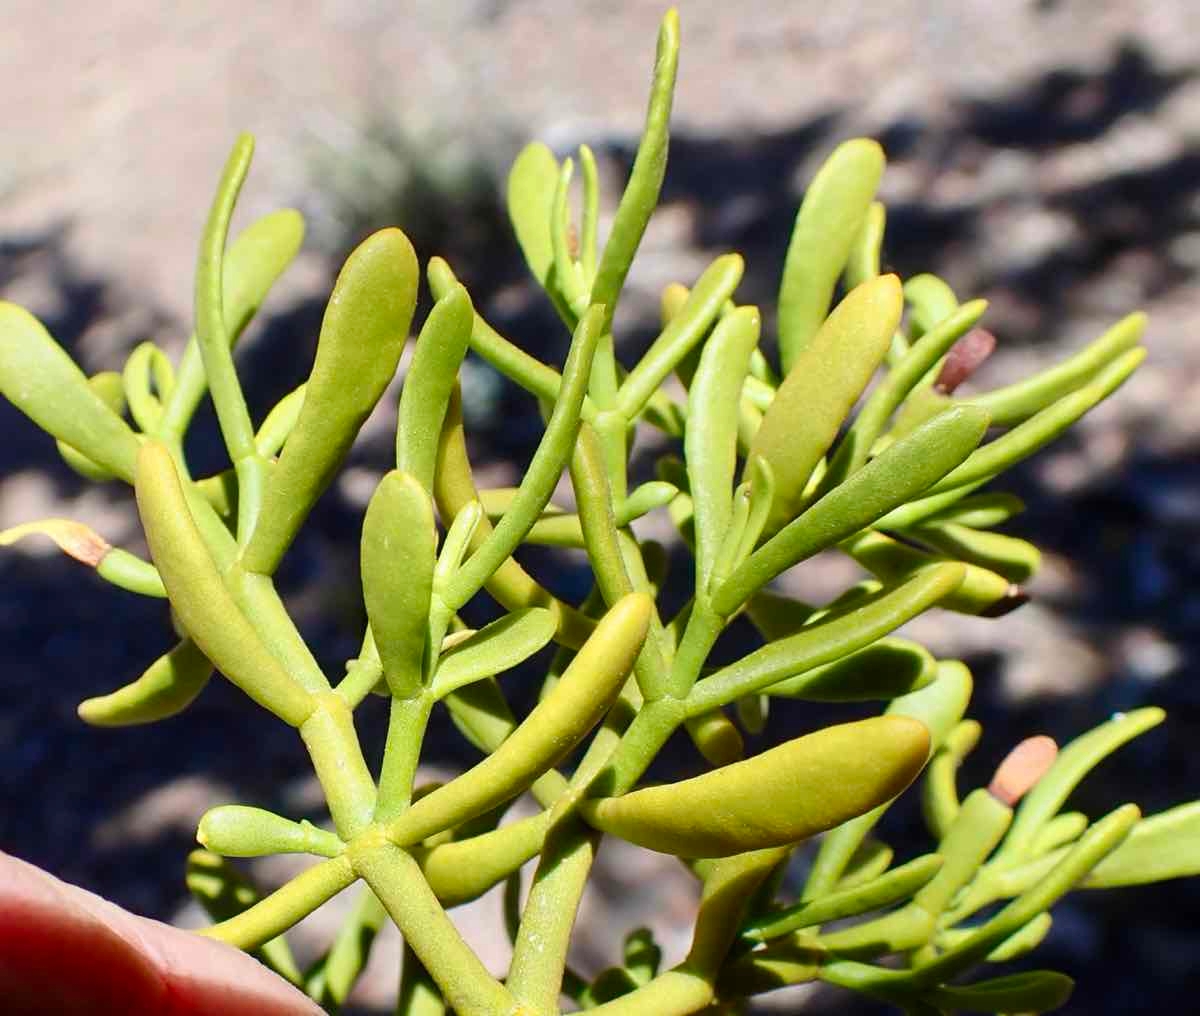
(406, 730)
(337, 758)
(285, 907)
(395, 877)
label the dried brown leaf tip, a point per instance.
(1021, 769)
(1015, 597)
(964, 359)
(73, 538)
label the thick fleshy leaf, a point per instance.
(780, 797)
(253, 262)
(825, 642)
(883, 890)
(365, 326)
(1019, 401)
(889, 668)
(1032, 991)
(710, 441)
(494, 649)
(1166, 845)
(236, 830)
(168, 686)
(531, 184)
(1074, 762)
(555, 725)
(899, 474)
(43, 382)
(429, 383)
(824, 382)
(645, 180)
(399, 547)
(830, 217)
(205, 606)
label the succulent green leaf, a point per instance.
(830, 217)
(481, 713)
(645, 180)
(566, 284)
(235, 830)
(730, 887)
(1062, 829)
(255, 259)
(752, 712)
(462, 870)
(108, 385)
(429, 383)
(825, 642)
(822, 385)
(1163, 846)
(882, 891)
(43, 382)
(982, 591)
(981, 511)
(494, 649)
(591, 214)
(1032, 991)
(899, 474)
(862, 264)
(939, 706)
(399, 548)
(513, 362)
(365, 326)
(130, 572)
(782, 796)
(776, 616)
(682, 333)
(555, 725)
(1019, 401)
(147, 379)
(1097, 843)
(211, 335)
(1042, 428)
(888, 669)
(869, 861)
(979, 825)
(710, 441)
(552, 455)
(939, 792)
(930, 301)
(199, 596)
(1024, 941)
(855, 447)
(168, 686)
(1073, 763)
(286, 906)
(1010, 556)
(761, 496)
(280, 422)
(509, 583)
(531, 184)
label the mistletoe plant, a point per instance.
(775, 466)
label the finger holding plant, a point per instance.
(776, 467)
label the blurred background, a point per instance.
(1045, 155)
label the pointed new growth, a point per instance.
(1021, 769)
(965, 357)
